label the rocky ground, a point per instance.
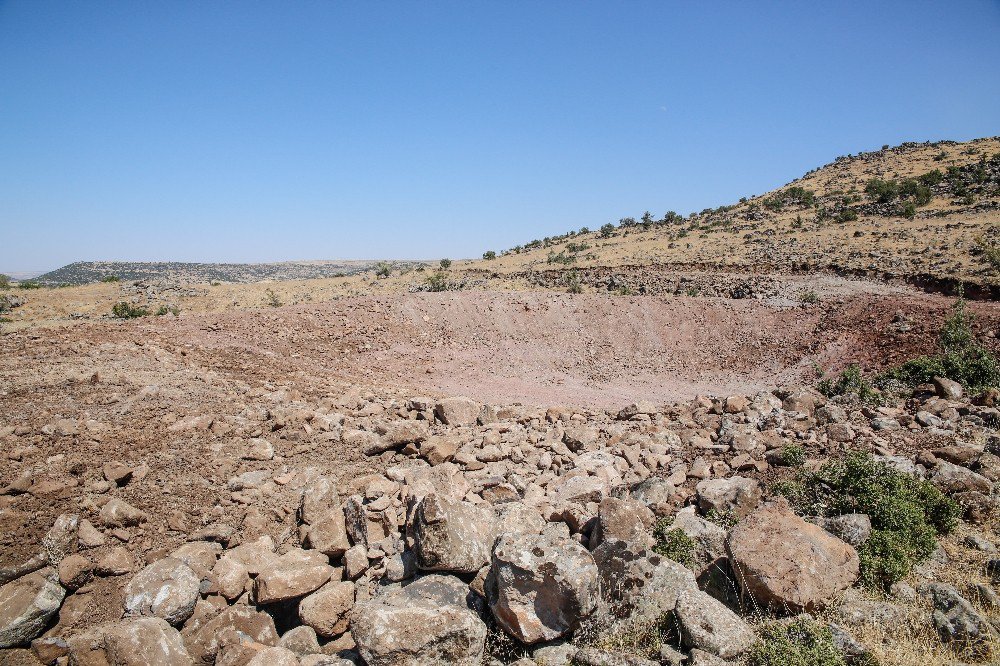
(301, 485)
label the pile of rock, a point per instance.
(534, 523)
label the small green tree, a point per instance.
(607, 230)
(438, 281)
(4, 281)
(445, 264)
(489, 255)
(123, 310)
(382, 270)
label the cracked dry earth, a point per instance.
(175, 416)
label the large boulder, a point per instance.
(27, 604)
(167, 589)
(428, 621)
(145, 640)
(638, 583)
(957, 620)
(204, 637)
(458, 411)
(452, 535)
(541, 586)
(951, 478)
(787, 564)
(736, 495)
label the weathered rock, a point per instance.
(736, 494)
(27, 604)
(957, 620)
(437, 450)
(707, 624)
(75, 571)
(398, 433)
(327, 610)
(639, 583)
(319, 496)
(622, 520)
(785, 563)
(854, 528)
(118, 513)
(452, 535)
(457, 411)
(428, 621)
(709, 538)
(294, 575)
(167, 589)
(541, 586)
(301, 640)
(948, 389)
(204, 638)
(952, 478)
(145, 640)
(328, 534)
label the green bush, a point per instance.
(808, 297)
(801, 642)
(607, 230)
(110, 278)
(962, 358)
(907, 514)
(4, 281)
(168, 309)
(489, 255)
(28, 284)
(382, 270)
(445, 264)
(573, 284)
(909, 210)
(271, 298)
(437, 281)
(853, 383)
(673, 543)
(793, 455)
(123, 310)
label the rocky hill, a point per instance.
(926, 213)
(86, 272)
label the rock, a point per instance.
(199, 555)
(452, 535)
(204, 638)
(230, 576)
(75, 571)
(657, 494)
(327, 610)
(950, 478)
(27, 604)
(259, 448)
(319, 497)
(707, 624)
(735, 494)
(274, 656)
(116, 562)
(145, 640)
(90, 536)
(167, 589)
(980, 543)
(400, 433)
(437, 450)
(117, 472)
(639, 583)
(294, 575)
(591, 656)
(117, 513)
(355, 561)
(854, 528)
(328, 534)
(957, 620)
(427, 621)
(785, 563)
(709, 538)
(948, 388)
(622, 520)
(301, 640)
(840, 432)
(541, 586)
(457, 411)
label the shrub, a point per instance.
(808, 297)
(851, 383)
(382, 270)
(446, 263)
(168, 309)
(271, 298)
(4, 281)
(123, 310)
(584, 230)
(673, 543)
(572, 280)
(847, 215)
(607, 230)
(437, 281)
(961, 358)
(907, 514)
(801, 642)
(489, 255)
(909, 210)
(725, 519)
(110, 278)
(29, 284)
(882, 191)
(793, 455)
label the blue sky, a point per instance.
(264, 131)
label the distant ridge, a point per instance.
(85, 272)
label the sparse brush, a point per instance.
(437, 281)
(445, 264)
(168, 309)
(851, 382)
(808, 297)
(123, 310)
(110, 278)
(673, 542)
(271, 299)
(801, 642)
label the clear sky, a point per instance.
(264, 131)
